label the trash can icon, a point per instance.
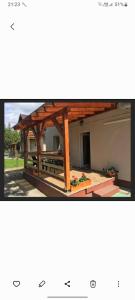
(92, 283)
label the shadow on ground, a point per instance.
(16, 186)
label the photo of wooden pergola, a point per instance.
(40, 164)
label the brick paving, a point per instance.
(17, 186)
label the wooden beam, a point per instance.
(48, 109)
(34, 131)
(66, 152)
(42, 128)
(86, 109)
(76, 117)
(74, 114)
(39, 115)
(52, 109)
(85, 104)
(58, 126)
(46, 119)
(70, 118)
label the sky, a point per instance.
(13, 110)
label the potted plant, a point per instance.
(111, 172)
(74, 182)
(77, 183)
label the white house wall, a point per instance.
(110, 144)
(43, 143)
(50, 132)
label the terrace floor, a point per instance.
(57, 187)
(95, 177)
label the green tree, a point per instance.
(11, 136)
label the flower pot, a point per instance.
(111, 174)
(81, 185)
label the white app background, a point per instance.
(67, 49)
(59, 242)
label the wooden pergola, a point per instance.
(58, 114)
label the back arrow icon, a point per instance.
(67, 283)
(12, 26)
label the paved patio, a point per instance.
(17, 186)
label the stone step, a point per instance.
(100, 185)
(107, 191)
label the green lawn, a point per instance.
(13, 163)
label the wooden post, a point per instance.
(38, 139)
(25, 137)
(38, 132)
(66, 152)
(39, 167)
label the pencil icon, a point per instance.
(41, 283)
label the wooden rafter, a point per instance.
(86, 109)
(55, 110)
(85, 104)
(74, 114)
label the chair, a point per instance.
(34, 159)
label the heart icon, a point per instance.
(16, 283)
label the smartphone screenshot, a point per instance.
(67, 165)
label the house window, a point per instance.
(56, 142)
